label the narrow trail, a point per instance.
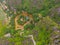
(17, 26)
(31, 37)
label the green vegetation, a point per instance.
(42, 28)
(29, 26)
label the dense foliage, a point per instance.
(40, 27)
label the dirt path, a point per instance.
(31, 36)
(17, 26)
